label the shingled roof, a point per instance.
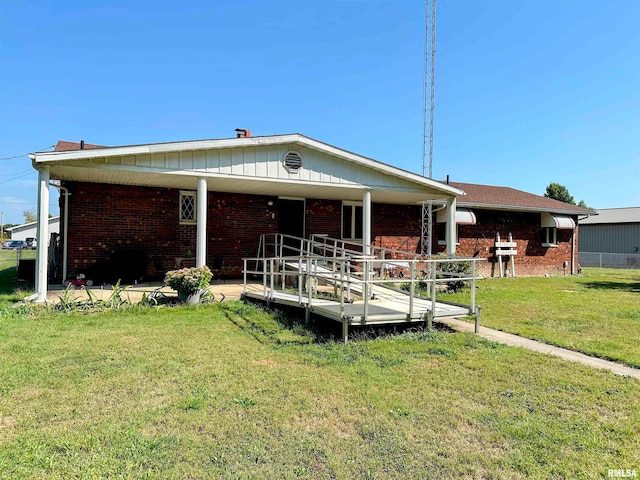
(506, 198)
(64, 146)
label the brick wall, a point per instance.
(396, 226)
(125, 228)
(116, 231)
(532, 258)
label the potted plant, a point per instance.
(190, 283)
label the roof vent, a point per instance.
(292, 161)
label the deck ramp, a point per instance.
(328, 279)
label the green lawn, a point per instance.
(597, 313)
(225, 391)
(8, 284)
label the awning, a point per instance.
(464, 216)
(557, 221)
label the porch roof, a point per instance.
(247, 165)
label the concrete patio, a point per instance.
(227, 290)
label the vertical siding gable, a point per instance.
(237, 161)
(261, 161)
(173, 160)
(213, 160)
(200, 160)
(157, 160)
(133, 161)
(226, 160)
(272, 161)
(324, 176)
(186, 160)
(250, 161)
(266, 161)
(113, 161)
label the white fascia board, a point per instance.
(107, 152)
(296, 138)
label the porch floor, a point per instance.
(226, 290)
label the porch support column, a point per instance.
(366, 223)
(451, 226)
(42, 236)
(201, 215)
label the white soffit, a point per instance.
(464, 216)
(562, 222)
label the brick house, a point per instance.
(544, 230)
(134, 212)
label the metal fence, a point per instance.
(10, 258)
(21, 261)
(609, 260)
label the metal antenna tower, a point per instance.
(427, 127)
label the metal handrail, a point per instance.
(324, 259)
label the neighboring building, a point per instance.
(136, 211)
(611, 239)
(544, 230)
(28, 230)
(613, 230)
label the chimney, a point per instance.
(242, 133)
(447, 179)
(81, 144)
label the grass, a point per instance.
(597, 313)
(230, 391)
(8, 283)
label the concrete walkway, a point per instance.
(517, 341)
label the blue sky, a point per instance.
(527, 92)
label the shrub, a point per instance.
(452, 269)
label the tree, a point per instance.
(583, 204)
(5, 228)
(559, 192)
(29, 216)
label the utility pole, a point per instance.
(427, 126)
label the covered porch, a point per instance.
(228, 190)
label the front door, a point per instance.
(291, 219)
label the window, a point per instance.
(442, 233)
(352, 221)
(549, 237)
(187, 207)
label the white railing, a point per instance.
(609, 260)
(307, 263)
